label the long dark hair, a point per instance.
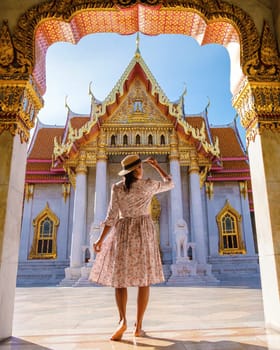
(128, 180)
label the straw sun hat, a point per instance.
(129, 163)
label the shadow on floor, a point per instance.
(147, 342)
(14, 343)
(156, 343)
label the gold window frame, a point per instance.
(46, 213)
(235, 235)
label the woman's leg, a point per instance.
(121, 300)
(142, 302)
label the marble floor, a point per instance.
(177, 318)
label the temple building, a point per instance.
(205, 224)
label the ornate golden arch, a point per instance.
(213, 13)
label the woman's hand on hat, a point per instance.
(168, 178)
(153, 162)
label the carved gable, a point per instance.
(138, 108)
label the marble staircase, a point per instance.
(41, 273)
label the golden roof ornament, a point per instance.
(66, 104)
(137, 51)
(94, 103)
(208, 104)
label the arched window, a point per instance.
(150, 139)
(230, 238)
(138, 139)
(125, 140)
(162, 140)
(44, 240)
(113, 140)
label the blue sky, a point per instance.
(176, 61)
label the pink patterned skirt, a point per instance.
(129, 255)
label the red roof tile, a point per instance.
(43, 146)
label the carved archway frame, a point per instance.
(256, 98)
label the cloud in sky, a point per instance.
(176, 61)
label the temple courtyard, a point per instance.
(224, 317)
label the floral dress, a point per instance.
(130, 254)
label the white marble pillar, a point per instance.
(199, 236)
(265, 175)
(12, 173)
(176, 204)
(79, 217)
(100, 200)
(176, 192)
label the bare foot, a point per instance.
(139, 333)
(117, 335)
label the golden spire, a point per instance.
(90, 91)
(66, 103)
(137, 52)
(208, 104)
(184, 93)
(93, 102)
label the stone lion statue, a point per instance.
(181, 239)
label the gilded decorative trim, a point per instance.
(202, 175)
(265, 64)
(20, 103)
(14, 60)
(28, 191)
(258, 105)
(209, 189)
(61, 148)
(271, 126)
(101, 149)
(65, 190)
(199, 134)
(71, 175)
(174, 151)
(81, 166)
(194, 167)
(243, 188)
(260, 128)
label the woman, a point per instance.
(129, 256)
